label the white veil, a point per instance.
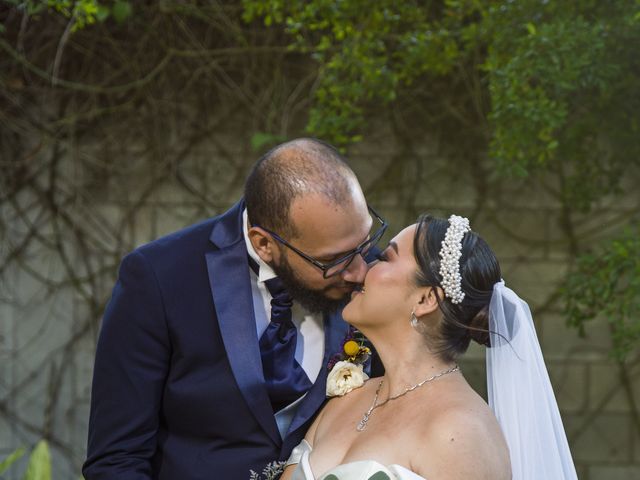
(520, 393)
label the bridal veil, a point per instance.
(521, 395)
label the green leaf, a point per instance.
(604, 285)
(11, 459)
(103, 13)
(261, 139)
(531, 28)
(121, 11)
(39, 467)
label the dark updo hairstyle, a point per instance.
(479, 270)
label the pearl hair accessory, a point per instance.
(450, 253)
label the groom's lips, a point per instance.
(346, 288)
(357, 289)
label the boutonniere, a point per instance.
(346, 368)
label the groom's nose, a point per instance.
(356, 270)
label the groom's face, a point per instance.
(325, 232)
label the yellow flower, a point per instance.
(351, 348)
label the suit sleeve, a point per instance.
(131, 365)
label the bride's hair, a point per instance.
(479, 270)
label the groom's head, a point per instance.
(307, 214)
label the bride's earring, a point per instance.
(414, 320)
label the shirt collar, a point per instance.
(265, 272)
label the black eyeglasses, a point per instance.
(341, 264)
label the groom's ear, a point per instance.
(428, 301)
(262, 243)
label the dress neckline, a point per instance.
(364, 469)
(357, 469)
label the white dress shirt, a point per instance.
(310, 339)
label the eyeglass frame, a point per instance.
(348, 258)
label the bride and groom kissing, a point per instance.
(215, 347)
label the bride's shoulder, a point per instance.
(459, 408)
(466, 435)
(459, 422)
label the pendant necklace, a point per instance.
(365, 418)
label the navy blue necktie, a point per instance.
(286, 380)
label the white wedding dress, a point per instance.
(361, 470)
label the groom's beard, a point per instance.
(315, 301)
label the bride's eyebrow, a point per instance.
(393, 245)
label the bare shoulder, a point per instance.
(463, 440)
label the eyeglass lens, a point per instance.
(363, 250)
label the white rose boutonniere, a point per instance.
(344, 377)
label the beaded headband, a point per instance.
(450, 253)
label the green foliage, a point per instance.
(605, 284)
(561, 78)
(562, 92)
(39, 465)
(11, 459)
(532, 79)
(121, 11)
(260, 140)
(83, 12)
(365, 50)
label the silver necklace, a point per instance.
(365, 418)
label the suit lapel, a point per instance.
(230, 284)
(335, 330)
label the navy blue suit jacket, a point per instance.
(178, 390)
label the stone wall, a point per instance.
(49, 319)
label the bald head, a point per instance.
(288, 172)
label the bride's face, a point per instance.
(389, 285)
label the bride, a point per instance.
(436, 287)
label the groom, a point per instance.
(212, 355)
